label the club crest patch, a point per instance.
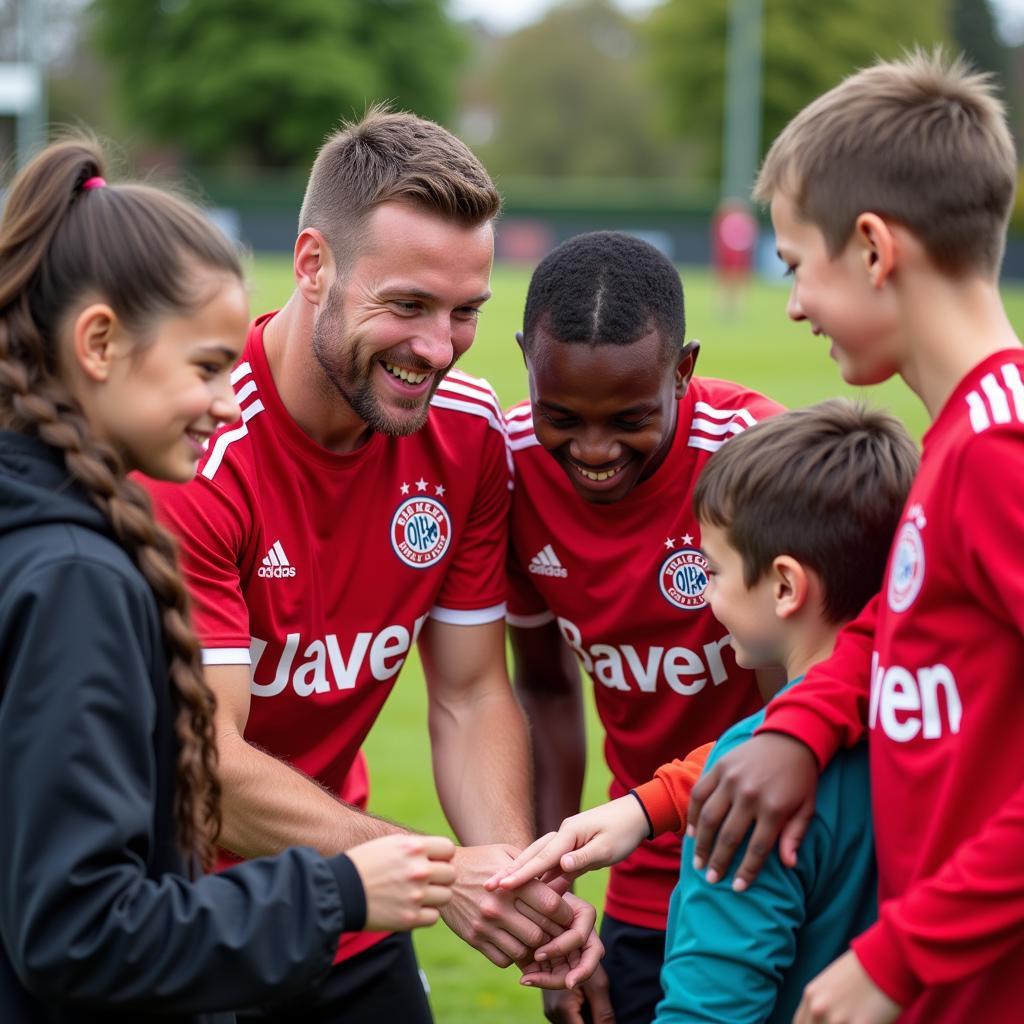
(907, 572)
(683, 578)
(421, 531)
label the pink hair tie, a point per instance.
(91, 183)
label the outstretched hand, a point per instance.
(406, 878)
(591, 839)
(768, 782)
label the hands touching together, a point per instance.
(592, 839)
(411, 880)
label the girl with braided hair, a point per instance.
(121, 313)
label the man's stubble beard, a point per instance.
(334, 353)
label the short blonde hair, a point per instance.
(922, 141)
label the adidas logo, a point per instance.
(546, 563)
(275, 563)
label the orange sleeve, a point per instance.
(666, 798)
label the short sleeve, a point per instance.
(527, 609)
(211, 530)
(473, 591)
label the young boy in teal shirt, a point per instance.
(797, 517)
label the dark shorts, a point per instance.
(632, 961)
(381, 984)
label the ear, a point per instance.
(790, 586)
(521, 342)
(685, 366)
(94, 334)
(877, 247)
(313, 265)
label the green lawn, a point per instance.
(760, 348)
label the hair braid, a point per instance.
(35, 401)
(44, 407)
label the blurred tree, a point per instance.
(808, 47)
(567, 97)
(974, 31)
(262, 81)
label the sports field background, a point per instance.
(758, 347)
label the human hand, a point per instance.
(566, 1006)
(554, 970)
(506, 927)
(845, 994)
(770, 781)
(591, 839)
(575, 954)
(406, 879)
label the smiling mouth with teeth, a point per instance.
(598, 477)
(403, 374)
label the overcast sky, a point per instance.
(505, 15)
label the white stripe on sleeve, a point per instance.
(468, 617)
(226, 656)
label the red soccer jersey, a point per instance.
(318, 569)
(626, 584)
(933, 669)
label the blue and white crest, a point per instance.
(683, 578)
(421, 531)
(907, 571)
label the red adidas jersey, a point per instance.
(933, 669)
(626, 583)
(318, 569)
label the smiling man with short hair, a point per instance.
(360, 506)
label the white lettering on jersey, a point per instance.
(904, 704)
(387, 651)
(685, 671)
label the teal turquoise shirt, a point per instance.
(746, 957)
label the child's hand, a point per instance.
(844, 994)
(592, 839)
(406, 879)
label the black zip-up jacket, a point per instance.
(98, 919)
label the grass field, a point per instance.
(761, 349)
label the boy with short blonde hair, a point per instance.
(918, 155)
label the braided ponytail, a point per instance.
(140, 249)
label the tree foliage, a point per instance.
(263, 81)
(569, 98)
(809, 46)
